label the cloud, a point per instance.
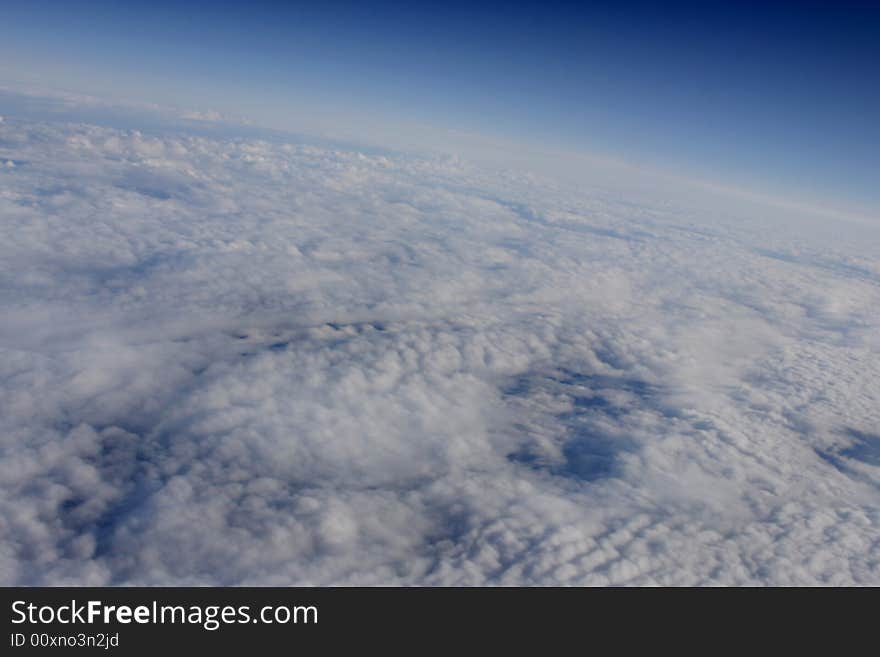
(210, 115)
(240, 361)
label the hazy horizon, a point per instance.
(775, 97)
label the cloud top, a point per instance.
(239, 361)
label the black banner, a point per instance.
(148, 620)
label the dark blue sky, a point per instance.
(779, 95)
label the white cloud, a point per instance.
(243, 362)
(210, 115)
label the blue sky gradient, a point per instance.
(772, 95)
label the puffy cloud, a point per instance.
(240, 361)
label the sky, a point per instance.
(770, 95)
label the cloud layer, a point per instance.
(234, 361)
